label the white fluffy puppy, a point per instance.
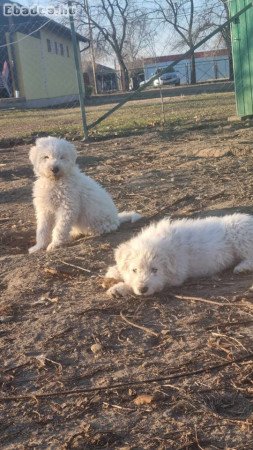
(67, 202)
(167, 253)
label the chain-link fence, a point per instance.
(207, 69)
(37, 66)
(38, 70)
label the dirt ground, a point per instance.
(183, 380)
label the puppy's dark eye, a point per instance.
(154, 270)
(45, 157)
(134, 270)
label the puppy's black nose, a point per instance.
(55, 169)
(143, 290)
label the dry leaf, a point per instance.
(53, 300)
(59, 272)
(143, 399)
(96, 348)
(248, 304)
(41, 360)
(51, 271)
(105, 246)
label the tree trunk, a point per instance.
(124, 76)
(193, 69)
(231, 67)
(226, 34)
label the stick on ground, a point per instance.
(145, 329)
(124, 385)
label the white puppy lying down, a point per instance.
(67, 202)
(167, 253)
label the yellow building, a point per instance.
(40, 58)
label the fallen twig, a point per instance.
(118, 407)
(203, 300)
(230, 324)
(147, 330)
(124, 385)
(229, 338)
(75, 267)
(197, 439)
(10, 369)
(212, 302)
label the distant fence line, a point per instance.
(37, 65)
(208, 70)
(38, 68)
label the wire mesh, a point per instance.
(39, 89)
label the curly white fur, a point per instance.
(168, 253)
(67, 202)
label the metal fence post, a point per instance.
(78, 71)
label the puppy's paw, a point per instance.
(75, 233)
(119, 290)
(244, 266)
(52, 246)
(35, 248)
(237, 270)
(113, 272)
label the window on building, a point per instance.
(61, 50)
(67, 49)
(49, 47)
(56, 48)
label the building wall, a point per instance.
(207, 68)
(29, 67)
(19, 72)
(45, 74)
(59, 70)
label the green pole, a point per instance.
(78, 71)
(166, 69)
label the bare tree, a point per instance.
(110, 19)
(226, 35)
(189, 24)
(218, 13)
(139, 32)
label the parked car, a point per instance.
(167, 78)
(143, 82)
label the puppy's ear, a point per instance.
(32, 154)
(122, 255)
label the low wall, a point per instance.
(22, 103)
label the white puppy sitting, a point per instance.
(67, 202)
(168, 253)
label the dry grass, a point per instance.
(135, 117)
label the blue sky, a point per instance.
(162, 44)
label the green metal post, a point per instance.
(242, 49)
(78, 71)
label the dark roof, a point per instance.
(28, 24)
(102, 68)
(204, 54)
